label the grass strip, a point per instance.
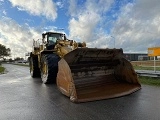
(149, 81)
(2, 69)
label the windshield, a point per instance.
(55, 37)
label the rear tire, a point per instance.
(33, 64)
(49, 68)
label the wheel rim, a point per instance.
(44, 71)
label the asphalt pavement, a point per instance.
(25, 98)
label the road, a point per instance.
(25, 98)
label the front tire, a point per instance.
(49, 68)
(33, 64)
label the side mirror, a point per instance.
(65, 37)
(43, 36)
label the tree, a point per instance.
(4, 52)
(10, 60)
(18, 58)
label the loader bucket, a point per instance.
(88, 74)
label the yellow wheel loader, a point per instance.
(83, 74)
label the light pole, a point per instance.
(113, 40)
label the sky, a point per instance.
(133, 25)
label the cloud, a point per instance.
(84, 26)
(17, 38)
(73, 8)
(146, 9)
(135, 27)
(60, 4)
(85, 19)
(4, 12)
(45, 8)
(138, 26)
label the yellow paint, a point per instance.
(155, 51)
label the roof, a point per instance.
(53, 33)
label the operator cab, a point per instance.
(51, 39)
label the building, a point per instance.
(136, 56)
